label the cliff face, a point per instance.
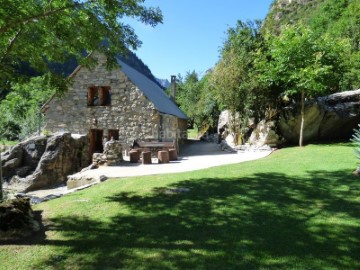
(289, 11)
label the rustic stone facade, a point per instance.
(130, 114)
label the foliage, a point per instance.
(303, 64)
(336, 18)
(19, 110)
(40, 31)
(234, 77)
(195, 98)
(296, 209)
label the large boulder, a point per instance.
(326, 118)
(265, 133)
(22, 159)
(226, 123)
(59, 156)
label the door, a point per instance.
(96, 141)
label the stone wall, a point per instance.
(182, 126)
(111, 156)
(130, 112)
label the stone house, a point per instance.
(121, 103)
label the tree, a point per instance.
(304, 65)
(37, 32)
(20, 108)
(196, 100)
(232, 76)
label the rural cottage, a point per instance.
(121, 103)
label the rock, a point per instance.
(11, 160)
(93, 166)
(224, 146)
(80, 179)
(265, 134)
(34, 148)
(23, 171)
(223, 120)
(14, 152)
(111, 156)
(17, 219)
(12, 164)
(326, 118)
(51, 160)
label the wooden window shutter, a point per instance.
(90, 96)
(101, 96)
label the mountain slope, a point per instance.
(336, 18)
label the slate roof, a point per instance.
(152, 91)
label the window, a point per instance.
(113, 133)
(99, 96)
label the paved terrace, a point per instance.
(195, 155)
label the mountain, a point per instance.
(136, 63)
(340, 19)
(163, 82)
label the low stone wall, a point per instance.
(111, 156)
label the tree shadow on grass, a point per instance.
(266, 221)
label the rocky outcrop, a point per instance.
(226, 123)
(22, 159)
(43, 162)
(326, 118)
(265, 133)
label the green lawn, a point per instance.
(297, 209)
(193, 133)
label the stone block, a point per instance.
(163, 156)
(146, 157)
(79, 180)
(172, 154)
(134, 156)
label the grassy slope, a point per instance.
(297, 209)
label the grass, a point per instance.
(193, 133)
(297, 209)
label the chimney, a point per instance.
(173, 87)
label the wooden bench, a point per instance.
(153, 146)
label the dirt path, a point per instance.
(195, 155)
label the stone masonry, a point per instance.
(130, 112)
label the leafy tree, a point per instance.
(232, 77)
(196, 100)
(19, 110)
(304, 65)
(188, 93)
(337, 18)
(41, 31)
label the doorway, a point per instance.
(96, 141)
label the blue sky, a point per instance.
(192, 33)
